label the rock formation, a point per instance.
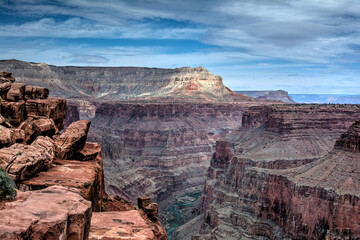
(280, 95)
(60, 173)
(119, 83)
(279, 176)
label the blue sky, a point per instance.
(307, 46)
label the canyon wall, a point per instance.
(119, 83)
(279, 176)
(273, 95)
(160, 150)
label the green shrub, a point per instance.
(7, 186)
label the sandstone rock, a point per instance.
(85, 176)
(32, 92)
(152, 210)
(6, 77)
(143, 202)
(6, 137)
(16, 92)
(125, 225)
(9, 136)
(73, 139)
(51, 108)
(23, 161)
(14, 111)
(4, 88)
(53, 213)
(18, 135)
(89, 152)
(40, 126)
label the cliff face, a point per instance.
(280, 95)
(165, 148)
(119, 83)
(263, 183)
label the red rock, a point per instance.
(350, 141)
(73, 139)
(14, 111)
(40, 126)
(18, 135)
(41, 92)
(86, 176)
(125, 225)
(16, 92)
(53, 213)
(53, 108)
(32, 92)
(4, 88)
(89, 152)
(9, 136)
(6, 77)
(24, 161)
(280, 177)
(143, 202)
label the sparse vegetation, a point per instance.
(7, 186)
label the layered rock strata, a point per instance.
(119, 83)
(61, 174)
(147, 140)
(266, 181)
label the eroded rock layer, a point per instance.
(263, 183)
(160, 149)
(119, 83)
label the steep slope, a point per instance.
(253, 190)
(119, 83)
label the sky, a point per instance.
(301, 46)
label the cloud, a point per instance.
(247, 40)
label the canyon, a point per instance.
(164, 140)
(290, 172)
(158, 130)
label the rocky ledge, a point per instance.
(59, 175)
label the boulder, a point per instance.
(72, 140)
(6, 77)
(89, 152)
(41, 92)
(14, 111)
(150, 208)
(5, 137)
(40, 126)
(10, 136)
(16, 92)
(125, 225)
(24, 161)
(4, 88)
(85, 176)
(53, 213)
(32, 92)
(53, 108)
